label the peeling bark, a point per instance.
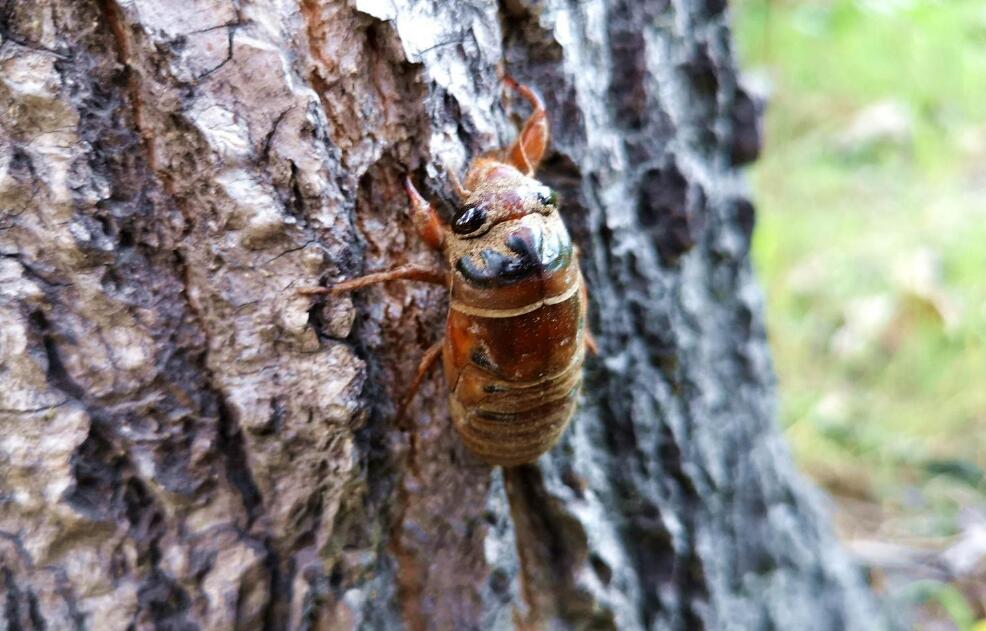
(187, 443)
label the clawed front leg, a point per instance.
(429, 225)
(529, 148)
(460, 191)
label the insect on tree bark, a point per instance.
(515, 336)
(189, 442)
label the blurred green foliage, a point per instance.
(871, 242)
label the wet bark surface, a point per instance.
(187, 443)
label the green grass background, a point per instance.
(872, 250)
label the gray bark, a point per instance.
(187, 443)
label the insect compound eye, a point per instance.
(469, 220)
(548, 197)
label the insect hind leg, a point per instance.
(424, 367)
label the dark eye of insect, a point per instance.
(548, 197)
(469, 220)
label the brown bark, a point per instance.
(187, 442)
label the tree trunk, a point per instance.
(188, 443)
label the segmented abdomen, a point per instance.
(514, 374)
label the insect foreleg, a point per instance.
(429, 225)
(404, 272)
(528, 149)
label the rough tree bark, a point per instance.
(188, 443)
